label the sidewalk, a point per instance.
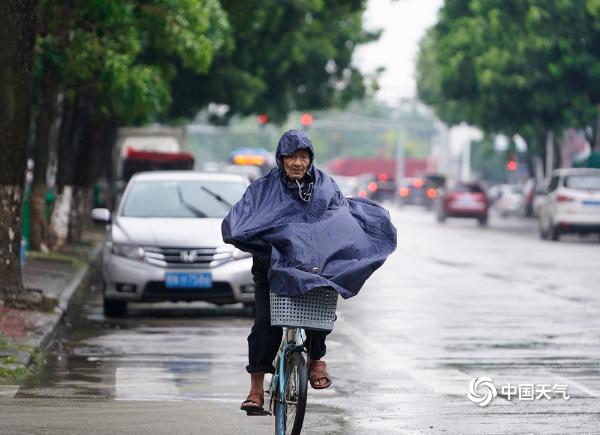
(25, 333)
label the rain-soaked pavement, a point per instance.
(454, 302)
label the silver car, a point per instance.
(164, 242)
(572, 203)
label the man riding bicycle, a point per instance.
(303, 234)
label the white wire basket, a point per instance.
(312, 310)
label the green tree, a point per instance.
(286, 56)
(17, 34)
(107, 82)
(513, 67)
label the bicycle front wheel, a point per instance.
(289, 410)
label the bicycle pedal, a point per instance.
(258, 413)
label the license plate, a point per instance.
(188, 280)
(591, 203)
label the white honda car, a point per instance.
(164, 242)
(571, 204)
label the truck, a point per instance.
(139, 149)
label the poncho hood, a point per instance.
(329, 241)
(290, 142)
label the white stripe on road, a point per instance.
(571, 383)
(441, 381)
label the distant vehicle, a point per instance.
(462, 200)
(433, 184)
(149, 148)
(533, 193)
(379, 188)
(164, 242)
(412, 191)
(506, 199)
(420, 190)
(258, 157)
(348, 185)
(572, 204)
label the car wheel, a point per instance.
(542, 230)
(554, 233)
(115, 308)
(441, 217)
(483, 221)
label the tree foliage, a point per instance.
(293, 55)
(516, 66)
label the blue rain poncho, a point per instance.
(313, 235)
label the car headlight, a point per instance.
(238, 254)
(129, 251)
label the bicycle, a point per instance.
(289, 384)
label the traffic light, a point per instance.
(512, 164)
(306, 120)
(262, 119)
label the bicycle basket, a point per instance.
(312, 310)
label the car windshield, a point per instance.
(583, 182)
(182, 198)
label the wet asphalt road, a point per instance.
(454, 302)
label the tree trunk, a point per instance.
(59, 220)
(88, 168)
(17, 34)
(45, 119)
(596, 144)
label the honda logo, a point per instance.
(188, 256)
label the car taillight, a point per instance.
(372, 186)
(431, 193)
(564, 198)
(362, 193)
(404, 191)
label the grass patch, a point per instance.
(57, 256)
(9, 374)
(10, 369)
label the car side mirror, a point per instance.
(101, 215)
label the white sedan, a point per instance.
(572, 203)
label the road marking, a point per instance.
(441, 381)
(570, 382)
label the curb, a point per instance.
(64, 300)
(48, 325)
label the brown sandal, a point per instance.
(253, 405)
(318, 372)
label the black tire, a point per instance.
(542, 231)
(115, 308)
(483, 221)
(296, 375)
(554, 233)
